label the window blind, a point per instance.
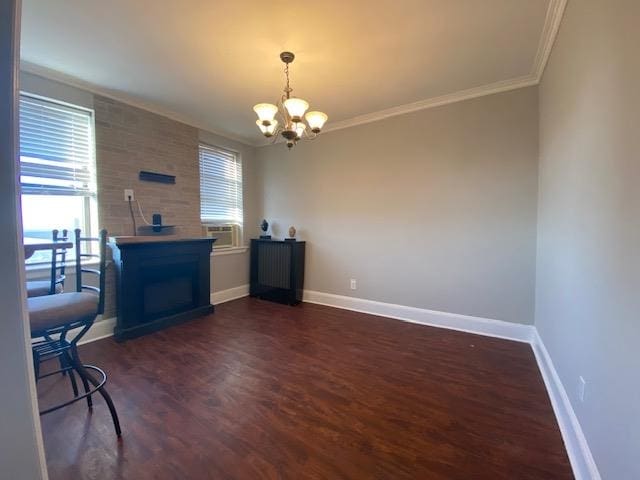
(220, 186)
(56, 148)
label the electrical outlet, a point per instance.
(353, 284)
(128, 195)
(581, 387)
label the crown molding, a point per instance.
(490, 89)
(555, 11)
(71, 81)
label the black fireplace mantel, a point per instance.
(160, 281)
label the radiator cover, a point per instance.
(277, 270)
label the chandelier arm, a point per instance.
(284, 123)
(279, 115)
(287, 123)
(311, 136)
(275, 136)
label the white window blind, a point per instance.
(56, 149)
(220, 186)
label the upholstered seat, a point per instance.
(52, 311)
(39, 288)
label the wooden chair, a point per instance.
(53, 317)
(55, 284)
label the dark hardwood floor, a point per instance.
(261, 390)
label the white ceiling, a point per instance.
(208, 62)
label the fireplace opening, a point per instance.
(167, 291)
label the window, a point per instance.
(57, 169)
(220, 186)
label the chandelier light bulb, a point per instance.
(300, 128)
(296, 108)
(266, 113)
(267, 130)
(316, 120)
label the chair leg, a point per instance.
(86, 376)
(65, 362)
(62, 339)
(85, 382)
(36, 365)
(61, 360)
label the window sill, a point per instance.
(228, 251)
(70, 267)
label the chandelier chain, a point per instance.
(288, 89)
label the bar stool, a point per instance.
(53, 317)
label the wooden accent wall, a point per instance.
(129, 139)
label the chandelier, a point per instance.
(290, 110)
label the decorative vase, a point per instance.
(264, 226)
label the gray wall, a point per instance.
(588, 285)
(434, 209)
(21, 451)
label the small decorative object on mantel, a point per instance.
(156, 227)
(264, 226)
(292, 234)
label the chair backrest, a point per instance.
(58, 260)
(100, 272)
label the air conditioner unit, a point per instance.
(227, 235)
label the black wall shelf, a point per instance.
(157, 177)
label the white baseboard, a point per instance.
(453, 321)
(582, 462)
(102, 328)
(229, 294)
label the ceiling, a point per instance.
(208, 62)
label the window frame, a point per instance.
(239, 240)
(90, 212)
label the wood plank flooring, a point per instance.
(265, 391)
